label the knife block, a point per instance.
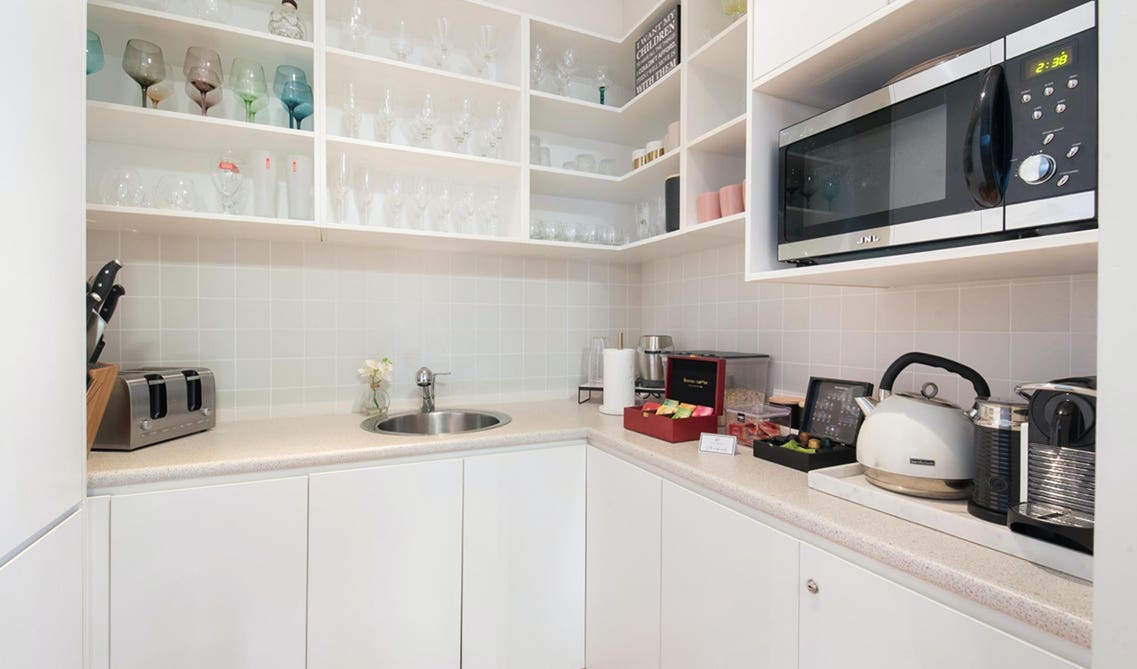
(102, 378)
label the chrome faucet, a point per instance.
(424, 378)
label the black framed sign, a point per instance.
(657, 50)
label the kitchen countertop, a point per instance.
(1056, 603)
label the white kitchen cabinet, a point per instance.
(210, 577)
(782, 30)
(729, 588)
(623, 565)
(385, 567)
(858, 620)
(41, 601)
(523, 560)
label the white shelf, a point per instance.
(696, 237)
(372, 73)
(727, 139)
(903, 33)
(126, 124)
(1050, 255)
(725, 53)
(415, 161)
(442, 242)
(629, 188)
(205, 224)
(644, 117)
(174, 33)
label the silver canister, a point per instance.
(998, 423)
(651, 360)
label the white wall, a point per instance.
(1010, 331)
(602, 16)
(1115, 587)
(506, 327)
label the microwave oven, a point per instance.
(997, 143)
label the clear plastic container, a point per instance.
(750, 422)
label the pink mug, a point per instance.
(730, 200)
(707, 207)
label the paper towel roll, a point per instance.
(619, 380)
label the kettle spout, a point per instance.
(866, 404)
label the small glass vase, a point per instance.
(374, 401)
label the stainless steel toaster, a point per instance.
(152, 405)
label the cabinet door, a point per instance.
(210, 577)
(623, 565)
(523, 560)
(782, 30)
(867, 622)
(729, 592)
(41, 601)
(385, 567)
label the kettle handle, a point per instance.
(917, 358)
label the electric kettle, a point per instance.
(916, 443)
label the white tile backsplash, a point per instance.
(285, 326)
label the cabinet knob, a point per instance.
(811, 586)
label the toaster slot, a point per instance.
(156, 385)
(193, 389)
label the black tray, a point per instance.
(804, 462)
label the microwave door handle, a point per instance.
(984, 147)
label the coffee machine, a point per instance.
(1053, 484)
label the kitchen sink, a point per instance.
(448, 421)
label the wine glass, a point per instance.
(298, 96)
(809, 185)
(177, 193)
(247, 79)
(385, 117)
(228, 180)
(566, 67)
(355, 27)
(213, 10)
(284, 75)
(394, 201)
(830, 185)
(485, 50)
(793, 182)
(463, 126)
(203, 72)
(495, 134)
(487, 214)
(466, 208)
(443, 205)
(423, 125)
(538, 67)
(441, 41)
(351, 113)
(364, 192)
(339, 181)
(144, 63)
(602, 80)
(122, 187)
(401, 44)
(161, 90)
(420, 198)
(95, 58)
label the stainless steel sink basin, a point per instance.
(448, 421)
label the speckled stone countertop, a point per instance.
(1056, 603)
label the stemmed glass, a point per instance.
(793, 183)
(565, 69)
(485, 50)
(495, 134)
(95, 59)
(247, 79)
(441, 41)
(809, 188)
(203, 72)
(144, 63)
(466, 209)
(356, 27)
(227, 179)
(830, 185)
(351, 112)
(401, 44)
(287, 74)
(420, 198)
(538, 68)
(602, 81)
(442, 206)
(487, 214)
(422, 127)
(385, 118)
(301, 97)
(463, 126)
(364, 192)
(394, 201)
(339, 177)
(213, 10)
(161, 90)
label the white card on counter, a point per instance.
(727, 444)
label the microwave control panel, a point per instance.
(1054, 114)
